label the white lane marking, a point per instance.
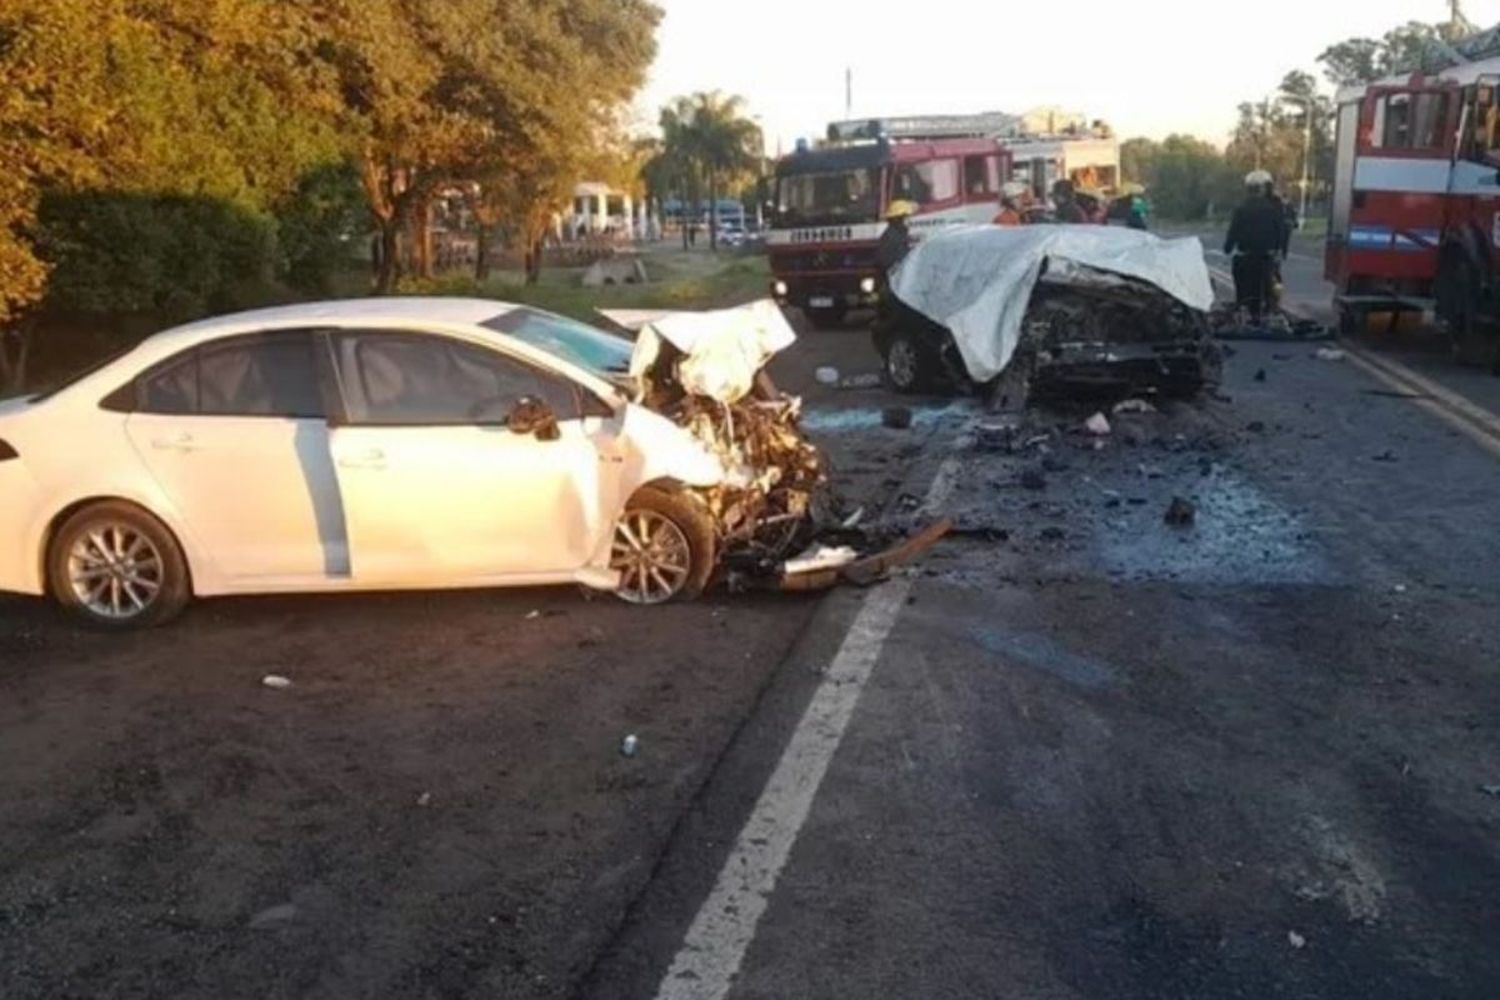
(1479, 425)
(715, 946)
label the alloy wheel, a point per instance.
(652, 555)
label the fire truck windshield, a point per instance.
(820, 199)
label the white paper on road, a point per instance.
(977, 280)
(722, 350)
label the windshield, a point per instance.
(826, 198)
(593, 350)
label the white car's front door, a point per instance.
(235, 435)
(439, 490)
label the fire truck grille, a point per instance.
(826, 260)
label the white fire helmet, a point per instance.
(1259, 179)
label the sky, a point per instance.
(1150, 67)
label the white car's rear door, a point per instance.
(437, 490)
(234, 433)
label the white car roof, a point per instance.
(396, 309)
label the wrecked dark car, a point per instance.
(1031, 313)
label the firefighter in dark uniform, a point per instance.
(1256, 238)
(895, 242)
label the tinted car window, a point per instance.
(265, 375)
(411, 379)
(172, 389)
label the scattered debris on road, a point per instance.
(1097, 425)
(1329, 354)
(827, 376)
(896, 417)
(1491, 790)
(1181, 513)
(630, 746)
(424, 800)
(276, 682)
(1296, 940)
(1134, 406)
(272, 916)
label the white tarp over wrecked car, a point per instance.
(977, 281)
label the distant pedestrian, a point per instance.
(1011, 196)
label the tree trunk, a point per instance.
(15, 348)
(713, 211)
(388, 268)
(482, 252)
(421, 237)
(534, 248)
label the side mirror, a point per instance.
(532, 416)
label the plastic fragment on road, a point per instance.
(897, 417)
(1296, 940)
(1180, 513)
(630, 746)
(1329, 354)
(1134, 406)
(869, 570)
(1097, 425)
(820, 557)
(276, 682)
(273, 915)
(827, 376)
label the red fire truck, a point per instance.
(1415, 221)
(829, 203)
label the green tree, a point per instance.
(708, 142)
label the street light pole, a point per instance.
(1307, 113)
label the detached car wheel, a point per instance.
(113, 566)
(663, 547)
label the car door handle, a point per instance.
(182, 442)
(371, 459)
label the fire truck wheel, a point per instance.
(826, 317)
(909, 366)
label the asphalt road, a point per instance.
(1078, 753)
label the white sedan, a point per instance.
(362, 445)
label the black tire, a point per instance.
(826, 318)
(691, 517)
(908, 365)
(160, 564)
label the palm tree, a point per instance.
(728, 148)
(706, 139)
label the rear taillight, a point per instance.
(7, 452)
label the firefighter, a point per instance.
(1011, 197)
(895, 242)
(1065, 202)
(1255, 239)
